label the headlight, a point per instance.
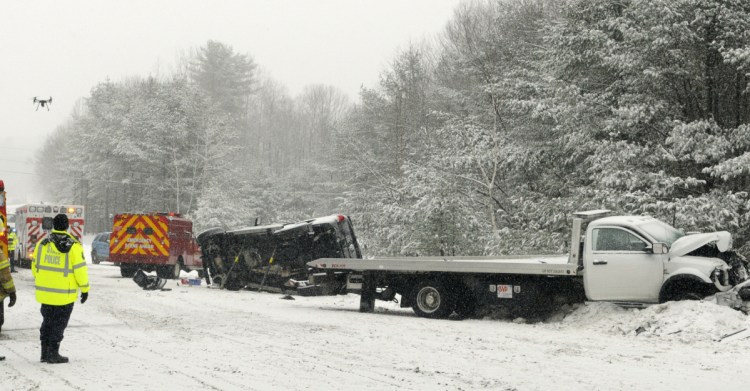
(720, 277)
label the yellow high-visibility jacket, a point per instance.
(6, 280)
(59, 273)
(11, 241)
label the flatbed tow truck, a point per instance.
(630, 260)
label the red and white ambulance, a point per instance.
(34, 222)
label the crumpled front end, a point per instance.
(736, 278)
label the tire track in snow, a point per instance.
(170, 363)
(277, 343)
(145, 317)
(53, 379)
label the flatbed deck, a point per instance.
(557, 264)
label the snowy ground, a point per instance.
(125, 338)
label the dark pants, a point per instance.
(2, 310)
(55, 320)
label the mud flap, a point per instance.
(368, 295)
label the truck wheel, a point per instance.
(127, 271)
(431, 300)
(688, 295)
(684, 290)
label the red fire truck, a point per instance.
(161, 242)
(34, 222)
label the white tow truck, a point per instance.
(631, 260)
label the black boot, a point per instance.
(45, 352)
(53, 354)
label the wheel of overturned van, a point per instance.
(432, 300)
(233, 284)
(127, 270)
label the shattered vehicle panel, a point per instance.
(270, 256)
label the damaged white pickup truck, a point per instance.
(631, 260)
(644, 260)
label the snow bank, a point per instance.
(684, 321)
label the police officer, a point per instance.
(12, 249)
(59, 270)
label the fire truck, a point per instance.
(34, 222)
(161, 242)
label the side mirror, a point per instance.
(659, 248)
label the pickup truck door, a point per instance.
(620, 266)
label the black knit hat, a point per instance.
(60, 223)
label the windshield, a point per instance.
(661, 232)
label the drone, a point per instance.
(43, 102)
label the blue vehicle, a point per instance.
(100, 248)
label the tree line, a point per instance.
(482, 141)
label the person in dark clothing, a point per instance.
(59, 270)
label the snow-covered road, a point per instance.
(125, 338)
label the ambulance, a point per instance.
(158, 241)
(33, 223)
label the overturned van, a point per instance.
(275, 256)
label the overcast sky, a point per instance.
(63, 48)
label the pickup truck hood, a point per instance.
(689, 243)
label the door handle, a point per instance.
(600, 262)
